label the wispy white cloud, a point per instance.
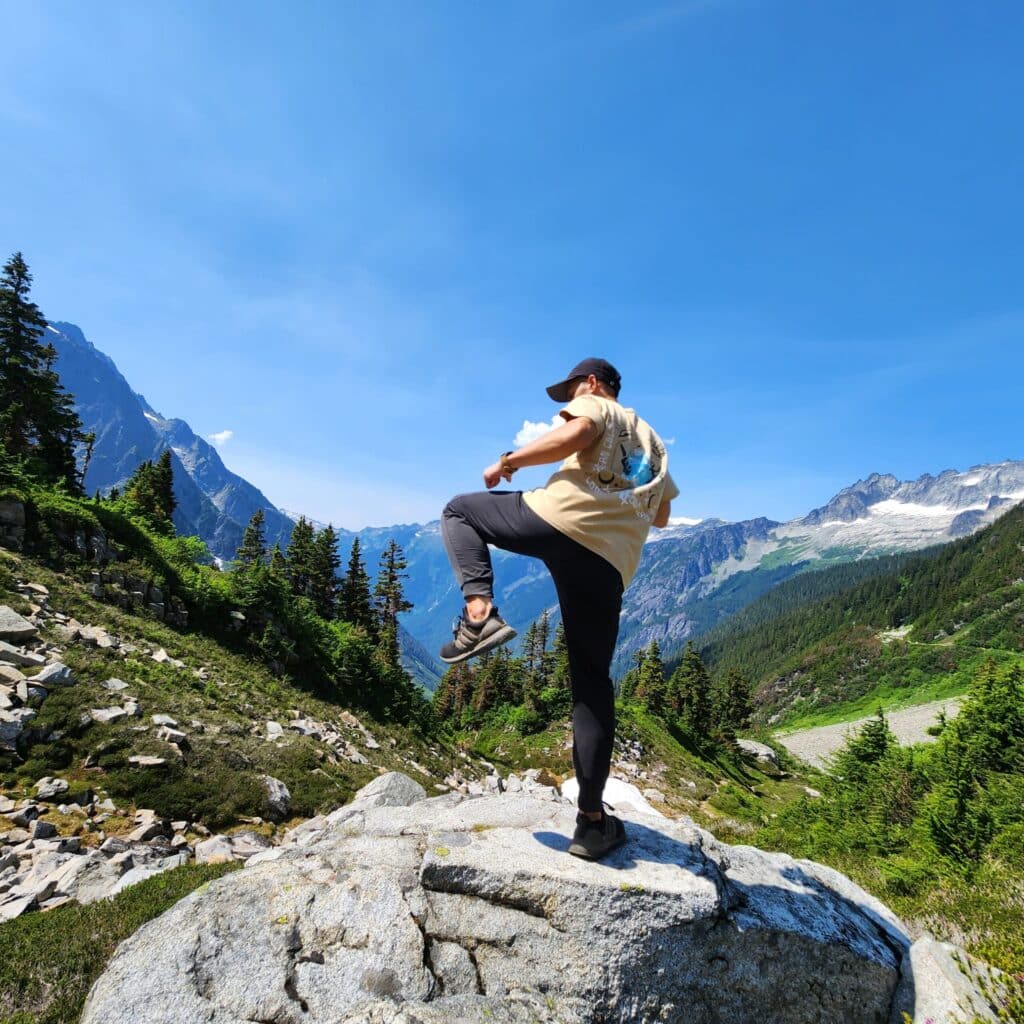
(221, 438)
(531, 431)
(669, 440)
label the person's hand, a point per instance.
(494, 473)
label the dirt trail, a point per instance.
(908, 725)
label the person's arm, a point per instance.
(558, 444)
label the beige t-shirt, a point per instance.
(606, 496)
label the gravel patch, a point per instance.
(909, 726)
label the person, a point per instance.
(588, 525)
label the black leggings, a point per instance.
(589, 594)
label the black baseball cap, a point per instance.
(600, 368)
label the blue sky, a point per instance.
(363, 237)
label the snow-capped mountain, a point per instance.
(691, 577)
(692, 574)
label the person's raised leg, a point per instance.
(468, 524)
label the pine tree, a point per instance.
(37, 417)
(650, 683)
(355, 604)
(390, 601)
(627, 688)
(689, 693)
(163, 481)
(149, 493)
(560, 703)
(301, 558)
(253, 550)
(324, 582)
(278, 563)
(536, 659)
(732, 704)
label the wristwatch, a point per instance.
(506, 468)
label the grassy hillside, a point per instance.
(919, 630)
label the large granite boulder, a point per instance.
(455, 908)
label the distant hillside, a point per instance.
(922, 616)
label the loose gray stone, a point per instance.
(55, 675)
(215, 850)
(47, 788)
(392, 789)
(114, 685)
(15, 906)
(15, 656)
(278, 798)
(163, 720)
(761, 751)
(14, 627)
(146, 761)
(108, 714)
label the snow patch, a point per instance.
(892, 507)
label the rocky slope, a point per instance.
(397, 908)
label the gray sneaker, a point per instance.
(472, 638)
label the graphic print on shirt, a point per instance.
(637, 468)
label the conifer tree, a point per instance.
(355, 604)
(650, 683)
(301, 558)
(149, 493)
(37, 417)
(253, 550)
(732, 704)
(324, 582)
(536, 659)
(559, 678)
(278, 563)
(390, 601)
(689, 693)
(627, 688)
(163, 484)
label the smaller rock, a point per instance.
(16, 656)
(47, 788)
(761, 751)
(172, 736)
(40, 829)
(147, 831)
(55, 675)
(274, 730)
(13, 626)
(108, 714)
(29, 693)
(146, 761)
(215, 850)
(278, 797)
(15, 906)
(163, 720)
(114, 685)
